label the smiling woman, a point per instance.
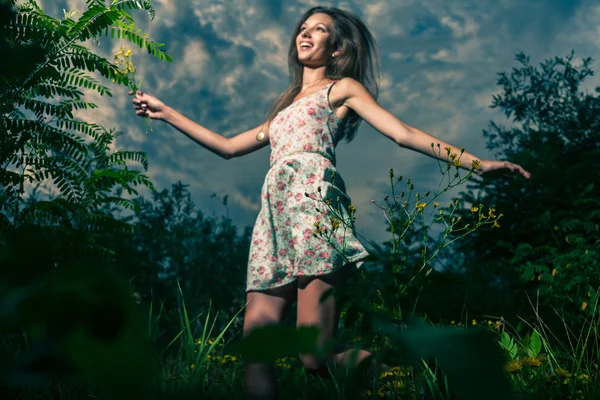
(333, 67)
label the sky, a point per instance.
(439, 64)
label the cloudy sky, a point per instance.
(439, 64)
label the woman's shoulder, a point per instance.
(344, 88)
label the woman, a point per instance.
(333, 69)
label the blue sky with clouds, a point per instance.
(439, 64)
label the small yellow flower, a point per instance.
(534, 361)
(513, 366)
(351, 208)
(496, 224)
(491, 213)
(452, 322)
(385, 374)
(435, 204)
(475, 164)
(193, 366)
(474, 209)
(554, 272)
(199, 341)
(420, 206)
(584, 305)
(474, 322)
(584, 378)
(562, 372)
(398, 384)
(335, 223)
(448, 150)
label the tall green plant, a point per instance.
(41, 141)
(69, 313)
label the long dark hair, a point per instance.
(358, 59)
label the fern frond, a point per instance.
(67, 184)
(75, 77)
(51, 90)
(121, 157)
(121, 202)
(137, 5)
(105, 223)
(94, 131)
(41, 108)
(79, 105)
(53, 213)
(94, 21)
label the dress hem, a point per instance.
(353, 259)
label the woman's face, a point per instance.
(314, 40)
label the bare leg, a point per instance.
(326, 316)
(264, 308)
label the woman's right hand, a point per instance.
(148, 106)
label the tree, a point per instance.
(175, 245)
(55, 282)
(549, 240)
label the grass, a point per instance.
(195, 362)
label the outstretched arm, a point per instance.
(239, 145)
(352, 94)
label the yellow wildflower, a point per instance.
(420, 206)
(513, 366)
(584, 306)
(385, 374)
(534, 361)
(491, 213)
(193, 366)
(398, 384)
(474, 209)
(435, 204)
(584, 378)
(448, 150)
(496, 224)
(562, 372)
(452, 322)
(474, 322)
(335, 223)
(554, 272)
(351, 208)
(475, 164)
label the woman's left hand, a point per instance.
(500, 169)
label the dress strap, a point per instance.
(329, 86)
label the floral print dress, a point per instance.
(283, 246)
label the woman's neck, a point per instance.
(311, 77)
